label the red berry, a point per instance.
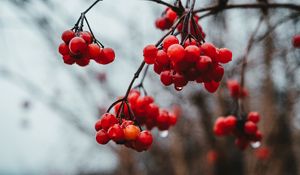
(67, 36)
(116, 133)
(254, 117)
(211, 86)
(107, 120)
(179, 80)
(250, 127)
(145, 139)
(150, 53)
(172, 119)
(218, 72)
(77, 45)
(68, 59)
(258, 136)
(102, 137)
(160, 23)
(176, 52)
(162, 58)
(86, 36)
(169, 40)
(83, 61)
(230, 122)
(224, 56)
(296, 41)
(162, 120)
(220, 127)
(209, 50)
(192, 53)
(94, 51)
(171, 15)
(152, 111)
(107, 56)
(158, 68)
(98, 125)
(131, 132)
(63, 49)
(203, 63)
(166, 78)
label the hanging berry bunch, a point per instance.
(81, 46)
(133, 112)
(245, 130)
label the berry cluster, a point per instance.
(80, 47)
(146, 112)
(179, 63)
(245, 131)
(296, 41)
(235, 89)
(124, 132)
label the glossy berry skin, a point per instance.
(107, 56)
(63, 49)
(83, 61)
(204, 63)
(220, 127)
(176, 52)
(162, 58)
(211, 86)
(86, 36)
(145, 139)
(94, 51)
(230, 122)
(149, 53)
(102, 137)
(68, 59)
(250, 127)
(131, 132)
(192, 53)
(168, 41)
(107, 120)
(209, 50)
(116, 133)
(166, 78)
(77, 45)
(171, 15)
(67, 36)
(162, 121)
(296, 41)
(224, 55)
(218, 72)
(172, 119)
(254, 117)
(98, 125)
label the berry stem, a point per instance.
(90, 29)
(88, 9)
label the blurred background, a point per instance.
(48, 109)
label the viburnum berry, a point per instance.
(77, 45)
(245, 130)
(166, 78)
(102, 137)
(107, 56)
(63, 49)
(131, 132)
(171, 15)
(192, 53)
(116, 133)
(224, 55)
(168, 41)
(107, 120)
(144, 140)
(254, 117)
(211, 86)
(86, 36)
(296, 41)
(204, 63)
(150, 53)
(250, 127)
(94, 51)
(176, 52)
(67, 36)
(162, 58)
(68, 59)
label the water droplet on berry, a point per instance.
(178, 88)
(255, 144)
(164, 134)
